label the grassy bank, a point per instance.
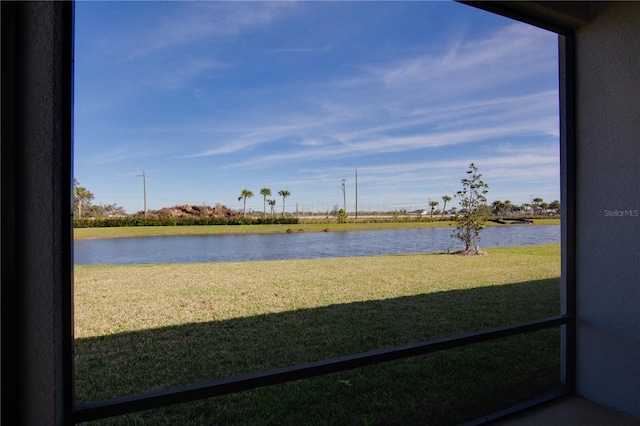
(149, 231)
(143, 328)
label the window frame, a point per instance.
(74, 413)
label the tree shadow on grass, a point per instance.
(439, 388)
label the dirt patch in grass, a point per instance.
(470, 252)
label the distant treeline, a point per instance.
(180, 221)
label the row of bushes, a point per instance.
(181, 221)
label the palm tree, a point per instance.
(284, 194)
(544, 206)
(507, 207)
(265, 192)
(445, 198)
(432, 204)
(536, 204)
(81, 195)
(244, 194)
(497, 205)
(272, 203)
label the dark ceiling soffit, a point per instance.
(560, 17)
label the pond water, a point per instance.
(214, 248)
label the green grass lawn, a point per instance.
(150, 327)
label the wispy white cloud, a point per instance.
(334, 137)
(302, 49)
(492, 164)
(513, 46)
(179, 75)
(338, 120)
(116, 155)
(200, 21)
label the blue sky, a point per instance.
(210, 98)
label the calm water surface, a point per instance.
(215, 248)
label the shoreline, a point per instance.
(158, 231)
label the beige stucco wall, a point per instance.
(608, 207)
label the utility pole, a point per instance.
(344, 195)
(356, 193)
(144, 188)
